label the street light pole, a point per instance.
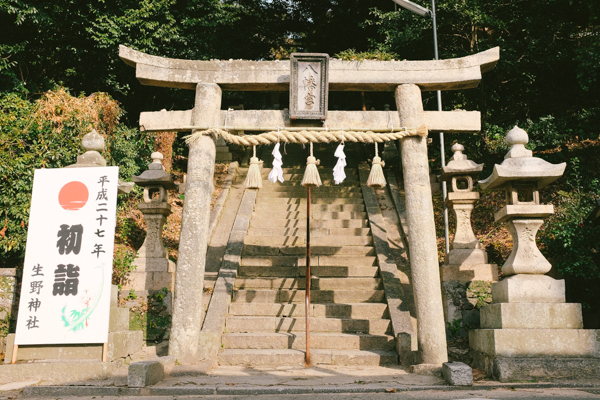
(422, 11)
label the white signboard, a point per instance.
(65, 295)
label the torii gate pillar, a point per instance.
(422, 237)
(191, 262)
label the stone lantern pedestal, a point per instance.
(529, 332)
(466, 276)
(154, 269)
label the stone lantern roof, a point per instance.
(155, 175)
(459, 164)
(520, 165)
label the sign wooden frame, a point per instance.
(309, 86)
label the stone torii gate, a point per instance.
(406, 78)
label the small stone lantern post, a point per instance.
(460, 172)
(154, 269)
(466, 276)
(529, 331)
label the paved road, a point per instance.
(500, 394)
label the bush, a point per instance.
(46, 133)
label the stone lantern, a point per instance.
(460, 173)
(466, 276)
(154, 269)
(529, 331)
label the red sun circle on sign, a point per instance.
(73, 196)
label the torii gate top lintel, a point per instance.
(451, 74)
(368, 75)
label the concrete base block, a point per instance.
(407, 346)
(426, 369)
(532, 316)
(209, 345)
(146, 280)
(119, 319)
(466, 256)
(508, 369)
(464, 273)
(154, 265)
(120, 344)
(536, 342)
(529, 289)
(63, 372)
(457, 374)
(146, 373)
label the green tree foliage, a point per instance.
(75, 43)
(47, 134)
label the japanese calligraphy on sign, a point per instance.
(65, 297)
(309, 86)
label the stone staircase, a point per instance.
(349, 321)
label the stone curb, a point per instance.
(401, 322)
(216, 314)
(64, 391)
(220, 201)
(400, 206)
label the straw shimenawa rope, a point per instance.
(308, 136)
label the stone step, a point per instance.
(352, 310)
(313, 207)
(301, 241)
(294, 261)
(318, 271)
(314, 232)
(314, 224)
(314, 200)
(316, 192)
(330, 341)
(316, 296)
(297, 177)
(315, 215)
(267, 250)
(298, 183)
(289, 357)
(299, 191)
(283, 324)
(316, 283)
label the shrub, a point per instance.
(46, 133)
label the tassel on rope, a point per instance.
(276, 173)
(253, 179)
(311, 174)
(376, 179)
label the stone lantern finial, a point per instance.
(156, 164)
(516, 139)
(93, 141)
(457, 149)
(93, 144)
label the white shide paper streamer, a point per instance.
(276, 173)
(338, 171)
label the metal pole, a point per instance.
(307, 279)
(442, 151)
